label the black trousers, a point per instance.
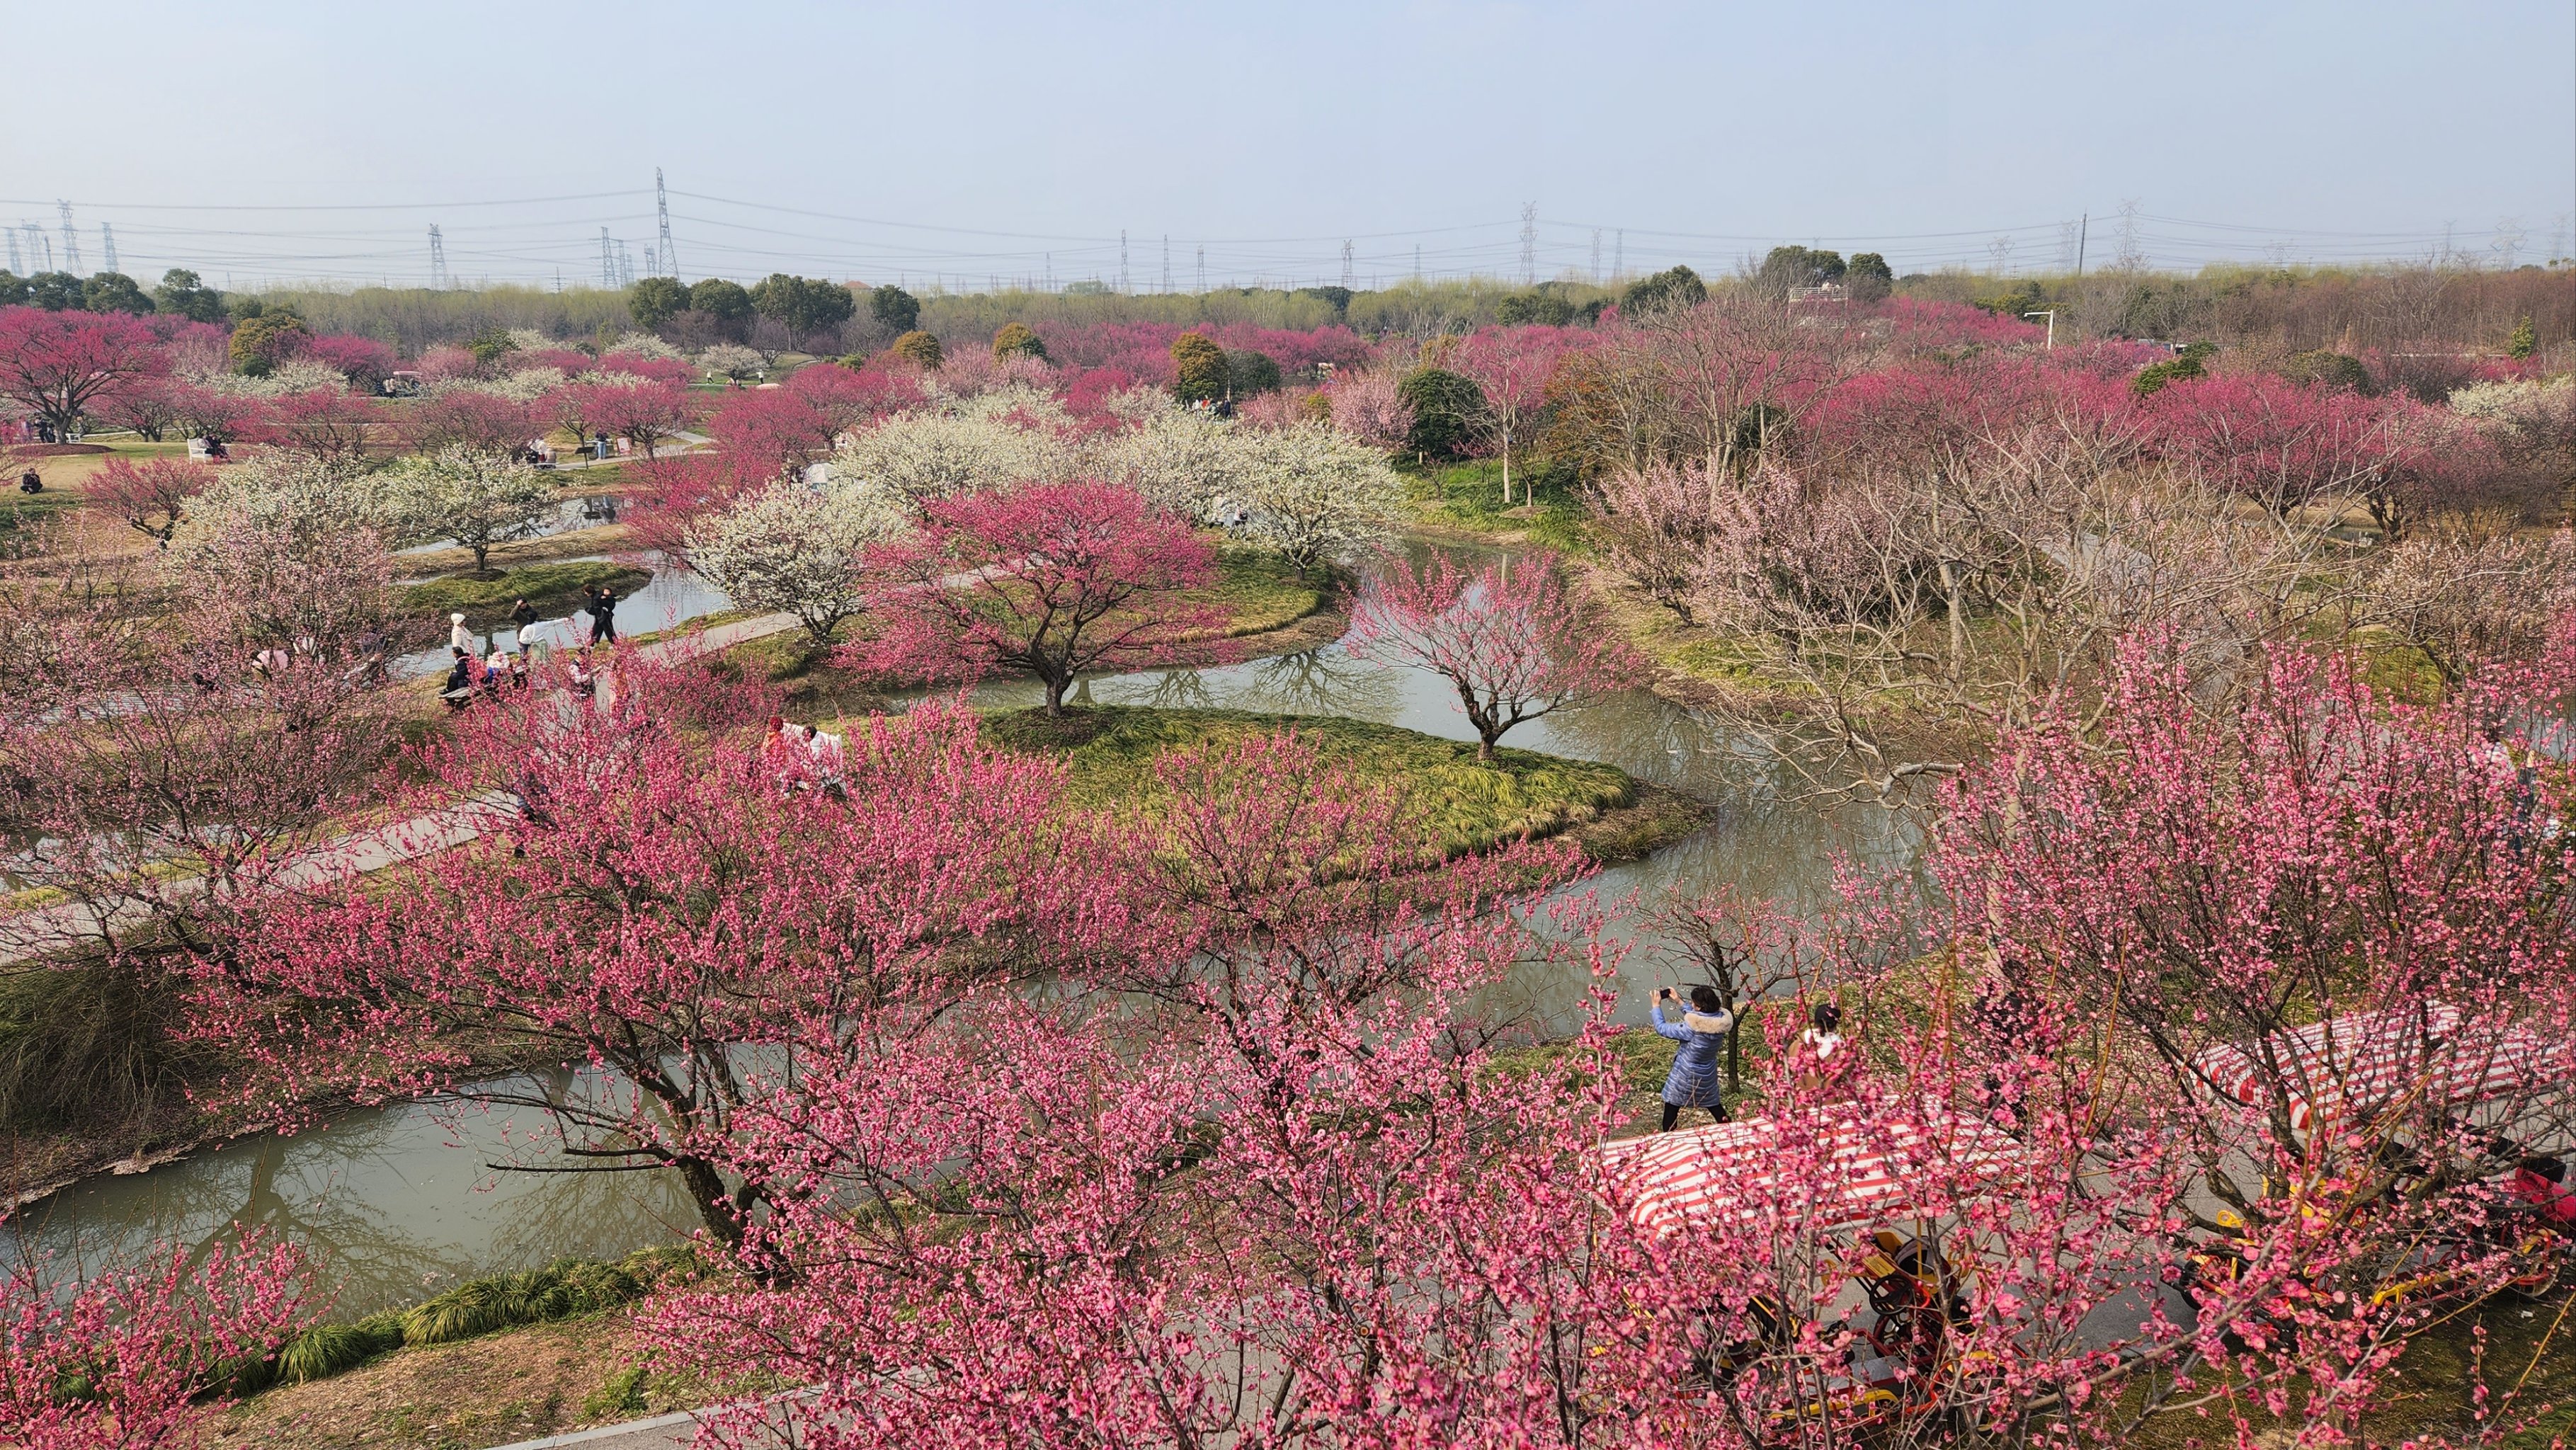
(1673, 1114)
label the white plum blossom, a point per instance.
(789, 548)
(1313, 492)
(932, 453)
(1183, 461)
(732, 360)
(642, 344)
(478, 499)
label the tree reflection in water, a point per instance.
(392, 1204)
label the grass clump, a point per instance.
(564, 1289)
(486, 602)
(1459, 804)
(87, 1043)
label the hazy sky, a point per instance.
(919, 135)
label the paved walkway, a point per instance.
(49, 929)
(658, 1433)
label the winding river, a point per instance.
(396, 1203)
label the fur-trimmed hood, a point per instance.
(1698, 1021)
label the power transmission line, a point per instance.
(438, 279)
(607, 260)
(1167, 262)
(71, 241)
(1529, 244)
(1122, 261)
(107, 239)
(16, 264)
(1349, 279)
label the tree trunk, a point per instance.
(1485, 749)
(1055, 698)
(715, 1206)
(482, 554)
(1951, 600)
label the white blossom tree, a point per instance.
(788, 548)
(642, 344)
(731, 360)
(927, 453)
(476, 498)
(287, 549)
(1314, 492)
(1182, 461)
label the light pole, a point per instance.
(2051, 315)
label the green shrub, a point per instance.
(1447, 408)
(920, 349)
(1249, 373)
(1672, 288)
(1016, 340)
(2329, 369)
(1198, 368)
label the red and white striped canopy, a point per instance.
(2349, 1067)
(1742, 1175)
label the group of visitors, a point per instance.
(1703, 1031)
(474, 672)
(800, 757)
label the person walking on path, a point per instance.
(1702, 1034)
(459, 637)
(603, 616)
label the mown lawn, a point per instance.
(1461, 806)
(1469, 497)
(1260, 591)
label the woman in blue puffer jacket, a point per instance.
(1702, 1033)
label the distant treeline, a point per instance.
(2347, 310)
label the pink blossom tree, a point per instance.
(150, 495)
(1369, 404)
(1509, 640)
(1055, 579)
(779, 431)
(462, 418)
(364, 361)
(2281, 444)
(202, 412)
(680, 491)
(1259, 1175)
(662, 905)
(330, 427)
(149, 406)
(59, 365)
(1513, 365)
(140, 1359)
(643, 411)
